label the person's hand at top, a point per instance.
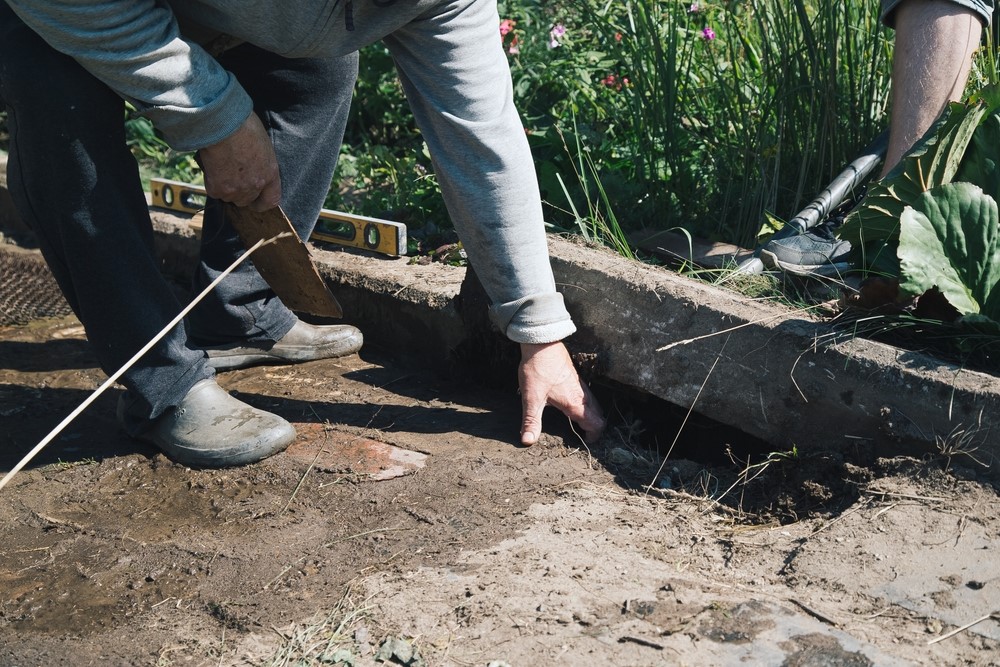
(242, 168)
(547, 377)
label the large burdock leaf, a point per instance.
(948, 239)
(980, 163)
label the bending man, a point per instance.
(266, 115)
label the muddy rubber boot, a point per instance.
(212, 429)
(303, 342)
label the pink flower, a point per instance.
(555, 34)
(612, 81)
(693, 9)
(618, 37)
(708, 34)
(507, 29)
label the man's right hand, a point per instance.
(547, 377)
(242, 168)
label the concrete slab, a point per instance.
(769, 370)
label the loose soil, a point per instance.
(482, 553)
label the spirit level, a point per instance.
(357, 231)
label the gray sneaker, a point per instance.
(816, 252)
(303, 342)
(211, 429)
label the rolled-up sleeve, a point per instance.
(458, 82)
(984, 8)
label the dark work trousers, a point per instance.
(74, 181)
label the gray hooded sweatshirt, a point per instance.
(157, 55)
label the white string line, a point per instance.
(731, 329)
(114, 378)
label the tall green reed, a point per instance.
(731, 109)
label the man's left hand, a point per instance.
(547, 377)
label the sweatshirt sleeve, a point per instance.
(458, 83)
(540, 318)
(136, 49)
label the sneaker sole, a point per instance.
(827, 270)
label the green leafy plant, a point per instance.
(599, 224)
(731, 110)
(931, 222)
(949, 242)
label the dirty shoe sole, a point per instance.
(224, 357)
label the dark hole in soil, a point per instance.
(757, 481)
(654, 424)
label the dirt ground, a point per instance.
(482, 553)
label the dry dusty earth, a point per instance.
(488, 554)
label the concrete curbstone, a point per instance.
(780, 376)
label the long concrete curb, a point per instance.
(756, 366)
